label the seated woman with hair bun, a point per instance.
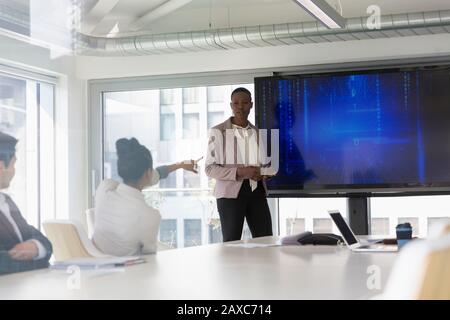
(125, 225)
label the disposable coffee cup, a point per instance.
(404, 234)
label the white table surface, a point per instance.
(217, 272)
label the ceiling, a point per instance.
(122, 17)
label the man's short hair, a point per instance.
(241, 89)
(7, 148)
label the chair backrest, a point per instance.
(446, 230)
(435, 285)
(421, 271)
(66, 240)
(90, 222)
(69, 240)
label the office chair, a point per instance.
(90, 221)
(422, 270)
(446, 230)
(435, 285)
(69, 240)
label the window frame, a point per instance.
(47, 201)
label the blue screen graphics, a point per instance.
(359, 130)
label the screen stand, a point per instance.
(359, 214)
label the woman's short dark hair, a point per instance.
(134, 159)
(7, 148)
(241, 89)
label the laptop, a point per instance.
(352, 242)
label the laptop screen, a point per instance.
(343, 228)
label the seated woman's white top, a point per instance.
(125, 225)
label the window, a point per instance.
(167, 96)
(168, 232)
(34, 19)
(162, 120)
(191, 95)
(191, 180)
(436, 221)
(27, 113)
(192, 232)
(380, 226)
(422, 212)
(295, 226)
(191, 126)
(191, 113)
(214, 231)
(218, 105)
(322, 225)
(15, 13)
(214, 118)
(167, 126)
(111, 166)
(216, 94)
(303, 214)
(170, 182)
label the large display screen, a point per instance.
(372, 131)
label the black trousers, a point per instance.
(248, 205)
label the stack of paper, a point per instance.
(97, 263)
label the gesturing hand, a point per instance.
(27, 250)
(190, 165)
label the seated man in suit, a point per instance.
(22, 247)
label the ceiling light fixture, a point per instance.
(325, 13)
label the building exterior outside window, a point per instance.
(192, 232)
(168, 232)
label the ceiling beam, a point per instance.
(96, 14)
(164, 9)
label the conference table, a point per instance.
(232, 271)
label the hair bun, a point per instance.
(133, 159)
(126, 147)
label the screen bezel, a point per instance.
(345, 190)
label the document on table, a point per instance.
(251, 245)
(96, 263)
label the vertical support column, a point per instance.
(359, 214)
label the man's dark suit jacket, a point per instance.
(8, 239)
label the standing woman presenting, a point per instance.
(240, 188)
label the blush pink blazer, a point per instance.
(227, 184)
